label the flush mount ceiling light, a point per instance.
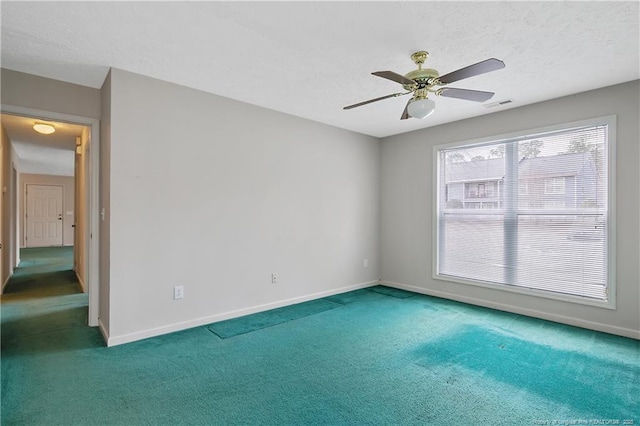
(421, 108)
(45, 129)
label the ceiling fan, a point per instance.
(421, 82)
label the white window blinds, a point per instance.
(529, 212)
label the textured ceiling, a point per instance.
(42, 154)
(310, 59)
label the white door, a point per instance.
(44, 216)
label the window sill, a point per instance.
(579, 300)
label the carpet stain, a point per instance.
(585, 383)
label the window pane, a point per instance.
(564, 170)
(547, 232)
(563, 254)
(473, 180)
(472, 247)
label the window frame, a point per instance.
(527, 134)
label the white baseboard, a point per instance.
(171, 328)
(577, 322)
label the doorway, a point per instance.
(44, 212)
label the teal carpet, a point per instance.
(371, 359)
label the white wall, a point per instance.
(215, 195)
(407, 207)
(68, 190)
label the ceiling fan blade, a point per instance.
(375, 100)
(390, 75)
(405, 113)
(469, 95)
(485, 66)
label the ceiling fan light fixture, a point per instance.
(423, 81)
(45, 129)
(421, 108)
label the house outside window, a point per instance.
(536, 223)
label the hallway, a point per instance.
(42, 302)
(43, 272)
(44, 318)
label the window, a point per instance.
(482, 191)
(554, 185)
(489, 189)
(547, 231)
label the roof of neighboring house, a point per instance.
(477, 170)
(529, 168)
(555, 165)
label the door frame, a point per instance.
(93, 264)
(2, 195)
(26, 212)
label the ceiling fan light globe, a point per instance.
(421, 108)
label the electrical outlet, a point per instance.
(178, 292)
(365, 263)
(274, 278)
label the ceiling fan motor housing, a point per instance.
(422, 77)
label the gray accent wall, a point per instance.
(407, 207)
